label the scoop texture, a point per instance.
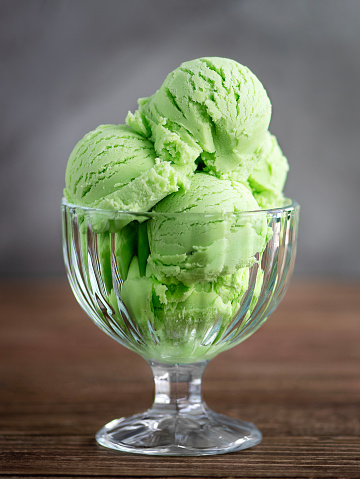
(113, 167)
(268, 178)
(193, 247)
(210, 108)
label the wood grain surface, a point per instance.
(297, 379)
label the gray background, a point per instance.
(68, 65)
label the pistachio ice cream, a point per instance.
(188, 169)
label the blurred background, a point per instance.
(67, 66)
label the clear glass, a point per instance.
(179, 289)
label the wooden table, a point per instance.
(297, 379)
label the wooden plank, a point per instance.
(275, 457)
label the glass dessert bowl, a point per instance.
(179, 289)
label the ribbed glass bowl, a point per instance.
(178, 289)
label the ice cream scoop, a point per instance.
(199, 247)
(113, 167)
(268, 178)
(201, 311)
(212, 110)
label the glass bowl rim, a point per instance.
(291, 206)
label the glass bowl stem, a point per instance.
(179, 422)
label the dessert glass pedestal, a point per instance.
(179, 310)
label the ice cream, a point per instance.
(200, 311)
(195, 160)
(210, 109)
(113, 167)
(197, 248)
(268, 177)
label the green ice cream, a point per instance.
(268, 178)
(183, 321)
(113, 167)
(195, 155)
(195, 247)
(210, 109)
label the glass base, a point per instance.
(178, 434)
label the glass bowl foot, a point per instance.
(177, 434)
